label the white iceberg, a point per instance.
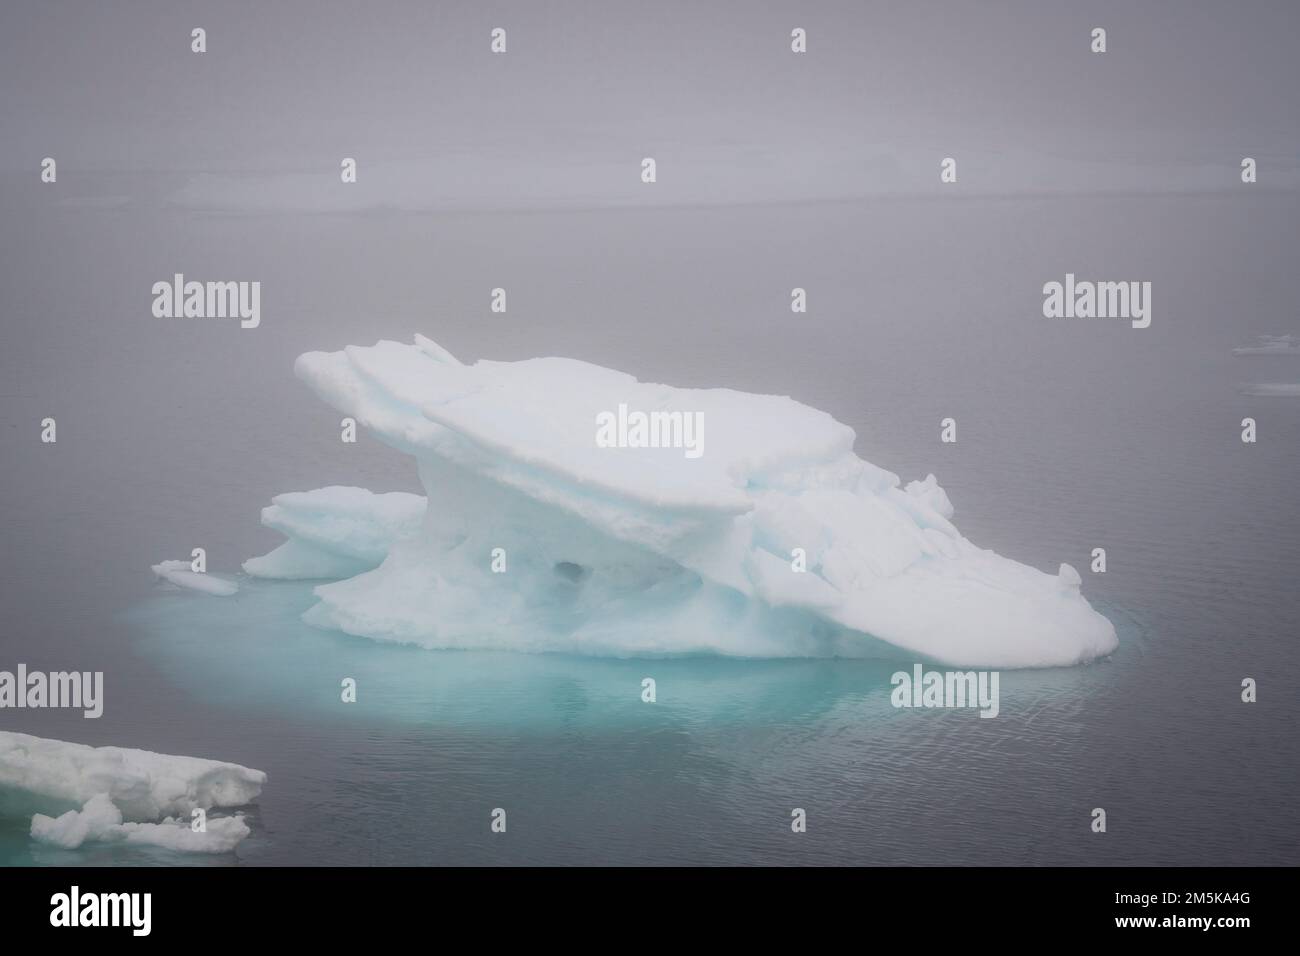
(123, 793)
(537, 538)
(180, 574)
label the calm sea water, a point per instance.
(173, 434)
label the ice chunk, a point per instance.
(143, 786)
(179, 573)
(930, 505)
(335, 532)
(100, 820)
(777, 540)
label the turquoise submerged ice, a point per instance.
(536, 537)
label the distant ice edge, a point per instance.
(125, 796)
(645, 551)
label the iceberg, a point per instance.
(123, 793)
(775, 540)
(179, 574)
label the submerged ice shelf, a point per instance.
(180, 574)
(536, 537)
(115, 794)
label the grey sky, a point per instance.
(290, 86)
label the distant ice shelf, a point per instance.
(1285, 345)
(1271, 389)
(776, 541)
(115, 794)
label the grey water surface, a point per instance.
(922, 305)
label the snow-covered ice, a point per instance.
(636, 551)
(101, 821)
(180, 574)
(142, 784)
(123, 794)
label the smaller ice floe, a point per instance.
(1272, 389)
(180, 574)
(143, 785)
(1272, 345)
(99, 820)
(123, 794)
(335, 532)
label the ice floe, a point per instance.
(115, 794)
(100, 821)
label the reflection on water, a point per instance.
(253, 652)
(567, 742)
